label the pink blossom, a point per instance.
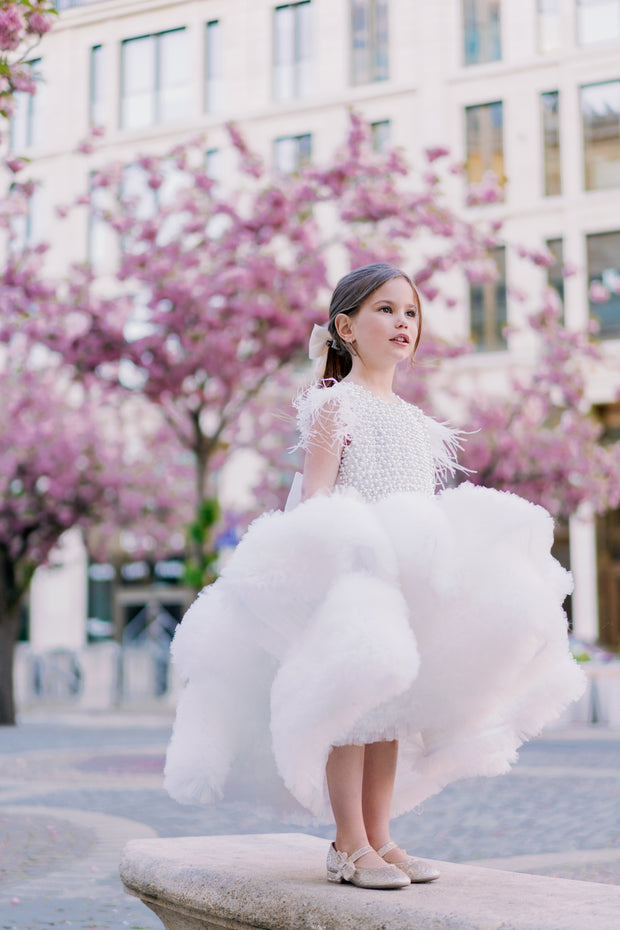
(435, 152)
(23, 81)
(38, 23)
(569, 269)
(598, 293)
(16, 164)
(12, 24)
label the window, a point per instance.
(137, 194)
(550, 103)
(555, 277)
(369, 41)
(380, 133)
(603, 251)
(155, 79)
(600, 111)
(484, 141)
(100, 236)
(488, 313)
(292, 51)
(214, 71)
(597, 21)
(481, 33)
(95, 116)
(291, 153)
(27, 230)
(27, 119)
(214, 165)
(548, 25)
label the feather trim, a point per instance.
(446, 443)
(325, 416)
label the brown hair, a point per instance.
(349, 295)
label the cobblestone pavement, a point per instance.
(75, 788)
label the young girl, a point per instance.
(376, 641)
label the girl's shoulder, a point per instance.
(325, 414)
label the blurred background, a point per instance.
(162, 269)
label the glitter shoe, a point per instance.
(416, 870)
(341, 868)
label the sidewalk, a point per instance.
(74, 788)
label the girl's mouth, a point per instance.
(401, 340)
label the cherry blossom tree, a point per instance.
(72, 459)
(230, 281)
(215, 291)
(22, 24)
(542, 440)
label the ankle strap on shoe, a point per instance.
(359, 853)
(385, 849)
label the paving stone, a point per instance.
(102, 774)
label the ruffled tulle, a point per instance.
(437, 621)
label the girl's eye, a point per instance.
(386, 307)
(412, 313)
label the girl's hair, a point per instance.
(349, 295)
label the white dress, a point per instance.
(380, 611)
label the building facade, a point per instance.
(527, 88)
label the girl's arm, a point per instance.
(322, 459)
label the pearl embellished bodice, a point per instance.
(388, 449)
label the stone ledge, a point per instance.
(277, 882)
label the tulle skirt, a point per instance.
(434, 621)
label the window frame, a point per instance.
(372, 71)
(606, 331)
(482, 24)
(493, 295)
(486, 163)
(156, 87)
(588, 145)
(547, 150)
(298, 61)
(300, 160)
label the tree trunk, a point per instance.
(9, 622)
(9, 625)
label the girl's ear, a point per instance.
(344, 326)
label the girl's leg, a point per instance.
(377, 789)
(345, 780)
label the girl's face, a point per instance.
(384, 330)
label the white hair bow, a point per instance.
(320, 341)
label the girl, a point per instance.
(376, 641)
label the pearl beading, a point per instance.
(389, 448)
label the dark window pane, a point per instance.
(96, 86)
(600, 110)
(555, 278)
(291, 153)
(369, 41)
(155, 79)
(603, 251)
(551, 142)
(381, 132)
(214, 71)
(292, 51)
(174, 77)
(26, 130)
(481, 31)
(484, 141)
(488, 308)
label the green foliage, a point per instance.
(198, 568)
